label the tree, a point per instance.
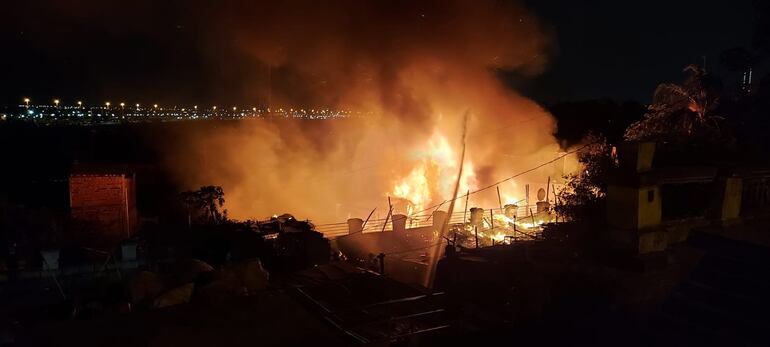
(682, 113)
(584, 195)
(205, 205)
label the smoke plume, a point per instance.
(412, 67)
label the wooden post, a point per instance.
(381, 257)
(390, 211)
(499, 199)
(526, 194)
(367, 219)
(491, 220)
(476, 231)
(533, 216)
(556, 203)
(514, 226)
(547, 188)
(465, 213)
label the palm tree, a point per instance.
(678, 111)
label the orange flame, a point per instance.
(430, 180)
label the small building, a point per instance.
(104, 196)
(650, 208)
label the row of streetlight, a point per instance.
(56, 103)
(122, 104)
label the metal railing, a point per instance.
(423, 220)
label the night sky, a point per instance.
(152, 51)
(623, 49)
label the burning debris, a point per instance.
(493, 227)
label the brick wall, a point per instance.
(108, 201)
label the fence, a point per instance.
(755, 198)
(421, 220)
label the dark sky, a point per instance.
(164, 51)
(623, 49)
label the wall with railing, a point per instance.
(523, 213)
(755, 198)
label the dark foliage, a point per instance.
(583, 198)
(205, 205)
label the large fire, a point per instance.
(414, 68)
(431, 179)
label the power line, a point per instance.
(509, 178)
(418, 213)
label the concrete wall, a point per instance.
(731, 199)
(650, 207)
(634, 215)
(636, 156)
(633, 207)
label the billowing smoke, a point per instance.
(414, 68)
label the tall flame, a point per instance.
(431, 179)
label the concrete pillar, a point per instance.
(50, 259)
(636, 156)
(399, 222)
(634, 217)
(729, 207)
(542, 206)
(634, 208)
(439, 217)
(355, 225)
(510, 210)
(128, 250)
(477, 216)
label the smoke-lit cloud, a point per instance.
(415, 66)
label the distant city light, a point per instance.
(56, 114)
